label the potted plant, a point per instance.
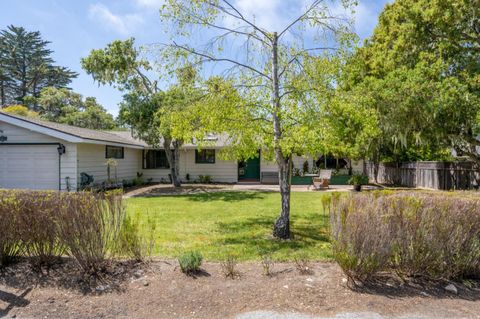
(357, 180)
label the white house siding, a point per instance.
(222, 171)
(91, 160)
(17, 134)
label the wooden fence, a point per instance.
(433, 175)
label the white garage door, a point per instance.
(29, 166)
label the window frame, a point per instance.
(145, 159)
(203, 159)
(122, 156)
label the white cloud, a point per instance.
(156, 4)
(123, 24)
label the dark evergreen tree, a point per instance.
(26, 66)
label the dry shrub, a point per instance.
(37, 226)
(267, 265)
(414, 234)
(229, 267)
(9, 246)
(89, 227)
(303, 265)
(47, 225)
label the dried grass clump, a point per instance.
(414, 234)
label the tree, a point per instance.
(146, 109)
(26, 66)
(266, 101)
(421, 70)
(19, 110)
(67, 107)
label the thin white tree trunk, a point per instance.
(281, 228)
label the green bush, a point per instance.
(190, 262)
(414, 234)
(204, 179)
(358, 179)
(130, 242)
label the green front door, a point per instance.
(249, 169)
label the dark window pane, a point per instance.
(156, 159)
(114, 152)
(205, 157)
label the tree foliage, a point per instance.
(421, 71)
(26, 66)
(151, 113)
(273, 89)
(19, 110)
(67, 107)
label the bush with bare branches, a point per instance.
(426, 234)
(46, 225)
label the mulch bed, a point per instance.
(159, 290)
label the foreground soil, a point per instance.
(160, 290)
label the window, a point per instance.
(156, 159)
(114, 152)
(205, 157)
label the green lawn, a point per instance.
(240, 223)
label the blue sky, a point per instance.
(77, 26)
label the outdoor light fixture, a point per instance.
(3, 138)
(61, 149)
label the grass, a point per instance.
(223, 223)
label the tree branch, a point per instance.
(214, 59)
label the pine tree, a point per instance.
(26, 66)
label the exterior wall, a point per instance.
(91, 160)
(222, 171)
(68, 162)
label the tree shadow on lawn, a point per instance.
(225, 196)
(305, 236)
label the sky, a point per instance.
(75, 27)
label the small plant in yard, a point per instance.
(267, 265)
(138, 181)
(205, 179)
(229, 267)
(190, 262)
(303, 265)
(130, 241)
(306, 167)
(357, 180)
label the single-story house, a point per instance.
(37, 154)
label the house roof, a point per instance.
(82, 133)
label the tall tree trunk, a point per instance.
(173, 159)
(2, 93)
(281, 229)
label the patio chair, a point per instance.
(323, 179)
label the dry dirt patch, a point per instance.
(160, 290)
